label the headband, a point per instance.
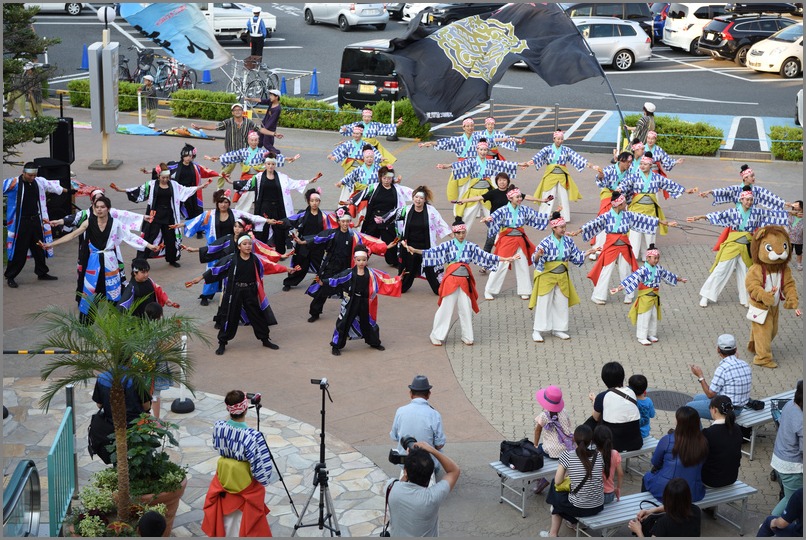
(745, 194)
(490, 119)
(343, 214)
(243, 238)
(95, 192)
(459, 228)
(513, 191)
(31, 171)
(637, 146)
(482, 144)
(654, 252)
(618, 200)
(746, 172)
(316, 194)
(360, 250)
(559, 133)
(646, 159)
(366, 111)
(653, 133)
(421, 194)
(166, 172)
(358, 128)
(253, 132)
(559, 222)
(467, 122)
(239, 408)
(370, 150)
(244, 226)
(269, 160)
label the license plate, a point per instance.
(710, 36)
(430, 19)
(366, 89)
(370, 12)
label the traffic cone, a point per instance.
(283, 90)
(314, 89)
(85, 59)
(206, 77)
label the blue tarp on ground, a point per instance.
(137, 129)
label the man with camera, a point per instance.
(413, 504)
(418, 419)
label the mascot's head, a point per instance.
(771, 246)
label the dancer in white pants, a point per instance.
(645, 312)
(553, 291)
(458, 287)
(508, 224)
(733, 256)
(609, 179)
(556, 181)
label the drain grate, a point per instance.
(667, 400)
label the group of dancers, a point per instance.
(253, 227)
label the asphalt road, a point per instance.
(675, 81)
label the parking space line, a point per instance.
(478, 110)
(734, 127)
(517, 118)
(599, 125)
(533, 123)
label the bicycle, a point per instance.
(176, 76)
(145, 66)
(259, 78)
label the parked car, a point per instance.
(762, 7)
(730, 37)
(347, 15)
(780, 53)
(660, 11)
(629, 11)
(72, 8)
(442, 14)
(367, 74)
(685, 22)
(615, 42)
(410, 11)
(395, 10)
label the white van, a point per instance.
(685, 22)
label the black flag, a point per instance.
(449, 71)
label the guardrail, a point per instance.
(61, 473)
(22, 501)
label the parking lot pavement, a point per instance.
(484, 392)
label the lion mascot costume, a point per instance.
(769, 284)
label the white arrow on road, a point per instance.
(678, 97)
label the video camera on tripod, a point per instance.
(254, 398)
(395, 457)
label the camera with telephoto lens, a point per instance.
(254, 398)
(395, 457)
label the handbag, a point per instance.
(385, 532)
(565, 485)
(98, 437)
(757, 315)
(521, 455)
(649, 521)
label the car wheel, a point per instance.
(309, 17)
(381, 26)
(790, 68)
(741, 55)
(623, 60)
(73, 9)
(344, 26)
(694, 48)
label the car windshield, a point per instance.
(790, 34)
(678, 11)
(367, 62)
(657, 7)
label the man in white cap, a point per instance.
(149, 91)
(645, 124)
(270, 121)
(257, 32)
(732, 378)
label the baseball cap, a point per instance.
(235, 105)
(148, 78)
(726, 342)
(275, 92)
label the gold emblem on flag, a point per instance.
(476, 48)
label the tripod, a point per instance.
(320, 480)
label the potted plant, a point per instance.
(126, 347)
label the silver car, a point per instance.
(614, 41)
(347, 15)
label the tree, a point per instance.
(124, 345)
(20, 46)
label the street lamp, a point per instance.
(106, 14)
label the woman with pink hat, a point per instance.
(554, 425)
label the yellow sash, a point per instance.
(545, 281)
(455, 192)
(643, 303)
(550, 180)
(234, 475)
(653, 210)
(386, 156)
(730, 249)
(606, 193)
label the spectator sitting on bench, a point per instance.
(617, 409)
(787, 454)
(675, 517)
(612, 472)
(732, 377)
(639, 384)
(680, 454)
(724, 437)
(554, 426)
(790, 523)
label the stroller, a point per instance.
(776, 406)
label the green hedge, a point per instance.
(788, 151)
(679, 137)
(80, 94)
(202, 104)
(382, 112)
(312, 114)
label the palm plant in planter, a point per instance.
(125, 346)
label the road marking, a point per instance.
(533, 123)
(677, 97)
(599, 125)
(734, 127)
(712, 70)
(329, 98)
(517, 118)
(507, 87)
(66, 78)
(246, 48)
(584, 116)
(479, 110)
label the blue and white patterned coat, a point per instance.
(235, 440)
(607, 223)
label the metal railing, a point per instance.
(22, 501)
(61, 473)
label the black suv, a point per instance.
(442, 14)
(629, 11)
(368, 75)
(730, 37)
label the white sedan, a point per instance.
(615, 42)
(780, 53)
(72, 8)
(410, 11)
(346, 15)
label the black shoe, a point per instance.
(270, 345)
(204, 302)
(175, 264)
(12, 283)
(378, 347)
(313, 318)
(220, 350)
(217, 326)
(335, 351)
(286, 288)
(47, 277)
(710, 512)
(199, 235)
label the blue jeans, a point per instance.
(702, 404)
(609, 497)
(766, 530)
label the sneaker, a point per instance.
(598, 302)
(653, 339)
(544, 534)
(335, 351)
(286, 288)
(175, 264)
(542, 484)
(313, 318)
(204, 302)
(628, 299)
(152, 126)
(644, 342)
(561, 335)
(537, 337)
(12, 283)
(270, 345)
(436, 342)
(489, 297)
(525, 297)
(378, 347)
(47, 277)
(593, 256)
(467, 342)
(703, 301)
(220, 350)
(800, 267)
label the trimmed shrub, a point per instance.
(382, 112)
(127, 96)
(202, 104)
(679, 137)
(80, 94)
(787, 143)
(311, 114)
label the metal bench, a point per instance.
(520, 481)
(619, 513)
(754, 419)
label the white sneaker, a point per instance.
(489, 296)
(436, 342)
(525, 297)
(537, 337)
(800, 267)
(653, 339)
(152, 126)
(544, 534)
(467, 342)
(598, 302)
(703, 301)
(644, 342)
(561, 335)
(592, 256)
(628, 299)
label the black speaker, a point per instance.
(59, 206)
(62, 141)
